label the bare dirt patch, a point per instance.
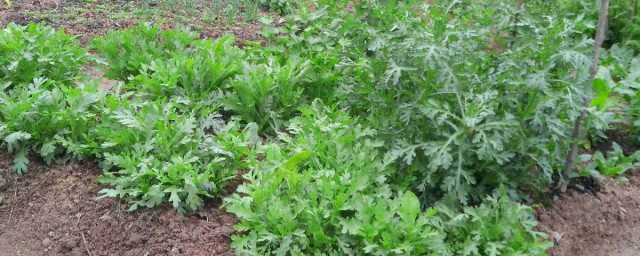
(604, 224)
(53, 210)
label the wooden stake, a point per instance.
(577, 128)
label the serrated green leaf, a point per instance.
(241, 212)
(601, 94)
(350, 226)
(409, 207)
(155, 196)
(291, 163)
(20, 162)
(193, 200)
(106, 192)
(174, 198)
(13, 139)
(47, 149)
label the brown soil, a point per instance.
(87, 20)
(604, 224)
(53, 210)
(98, 75)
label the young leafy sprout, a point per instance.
(614, 163)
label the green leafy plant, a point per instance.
(128, 50)
(392, 127)
(466, 103)
(332, 197)
(27, 54)
(42, 116)
(620, 74)
(613, 164)
(266, 91)
(496, 227)
(155, 153)
(196, 73)
(624, 24)
(165, 150)
(281, 6)
(315, 195)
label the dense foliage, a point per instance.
(169, 149)
(624, 24)
(195, 73)
(40, 117)
(127, 51)
(363, 127)
(37, 51)
(620, 74)
(162, 153)
(332, 197)
(281, 6)
(466, 104)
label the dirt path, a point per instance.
(53, 211)
(607, 224)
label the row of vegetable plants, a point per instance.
(364, 128)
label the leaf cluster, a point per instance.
(332, 197)
(267, 92)
(624, 24)
(281, 6)
(126, 51)
(617, 85)
(155, 152)
(613, 164)
(156, 145)
(393, 127)
(194, 73)
(256, 87)
(33, 51)
(41, 117)
(468, 97)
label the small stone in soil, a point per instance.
(544, 218)
(46, 242)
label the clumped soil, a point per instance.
(53, 210)
(87, 20)
(604, 224)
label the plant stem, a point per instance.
(514, 30)
(577, 128)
